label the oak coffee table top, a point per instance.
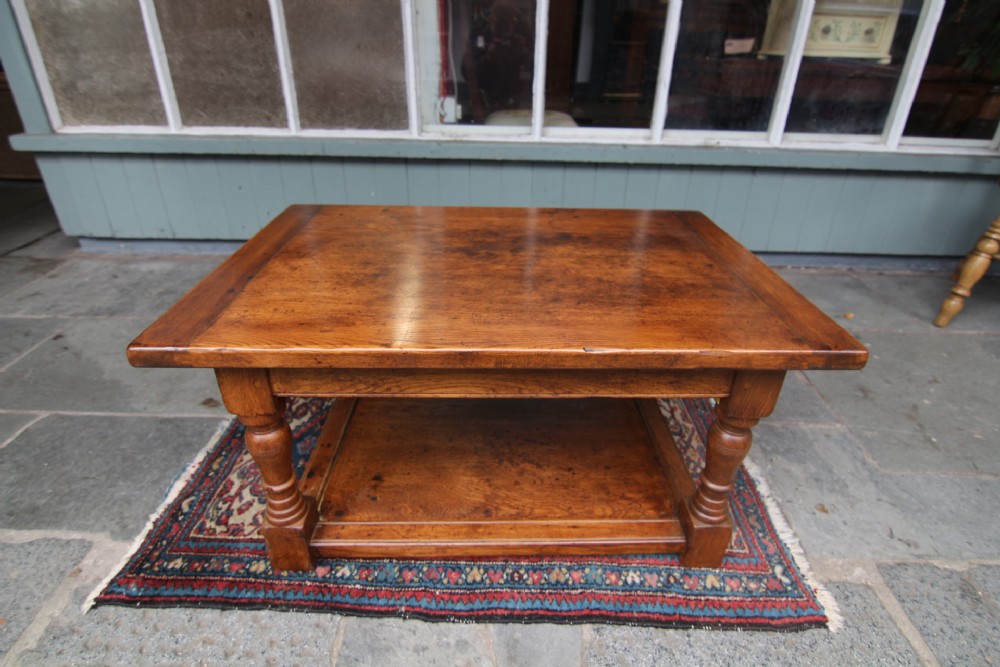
(585, 317)
(421, 287)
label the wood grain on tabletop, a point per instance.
(411, 287)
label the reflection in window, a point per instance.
(854, 56)
(722, 80)
(602, 61)
(959, 93)
(482, 54)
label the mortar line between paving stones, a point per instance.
(586, 639)
(20, 536)
(901, 619)
(486, 631)
(338, 640)
(31, 242)
(59, 600)
(25, 353)
(12, 438)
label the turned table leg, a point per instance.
(290, 516)
(706, 519)
(971, 271)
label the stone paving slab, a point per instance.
(801, 402)
(842, 507)
(53, 246)
(11, 423)
(374, 642)
(957, 613)
(182, 637)
(83, 368)
(29, 573)
(839, 293)
(33, 222)
(95, 474)
(16, 272)
(868, 638)
(920, 296)
(939, 389)
(98, 286)
(18, 335)
(535, 644)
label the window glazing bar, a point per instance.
(410, 64)
(913, 69)
(285, 64)
(538, 81)
(667, 51)
(790, 71)
(37, 64)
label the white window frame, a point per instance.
(776, 136)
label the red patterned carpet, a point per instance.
(201, 551)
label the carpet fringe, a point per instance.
(179, 483)
(835, 619)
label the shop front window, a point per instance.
(894, 74)
(959, 93)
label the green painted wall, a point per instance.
(776, 210)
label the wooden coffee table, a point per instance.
(496, 371)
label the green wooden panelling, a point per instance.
(88, 196)
(329, 181)
(151, 207)
(423, 182)
(578, 185)
(181, 212)
(455, 178)
(205, 189)
(61, 195)
(729, 207)
(776, 210)
(547, 184)
(854, 200)
(297, 180)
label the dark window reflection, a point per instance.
(959, 93)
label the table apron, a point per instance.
(501, 383)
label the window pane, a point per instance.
(603, 72)
(959, 93)
(348, 62)
(223, 62)
(477, 60)
(854, 55)
(98, 61)
(723, 77)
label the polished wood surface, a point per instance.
(389, 307)
(470, 477)
(412, 287)
(970, 271)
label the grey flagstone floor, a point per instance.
(890, 477)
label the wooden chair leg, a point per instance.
(971, 271)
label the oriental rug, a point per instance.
(201, 550)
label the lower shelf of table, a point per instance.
(492, 477)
